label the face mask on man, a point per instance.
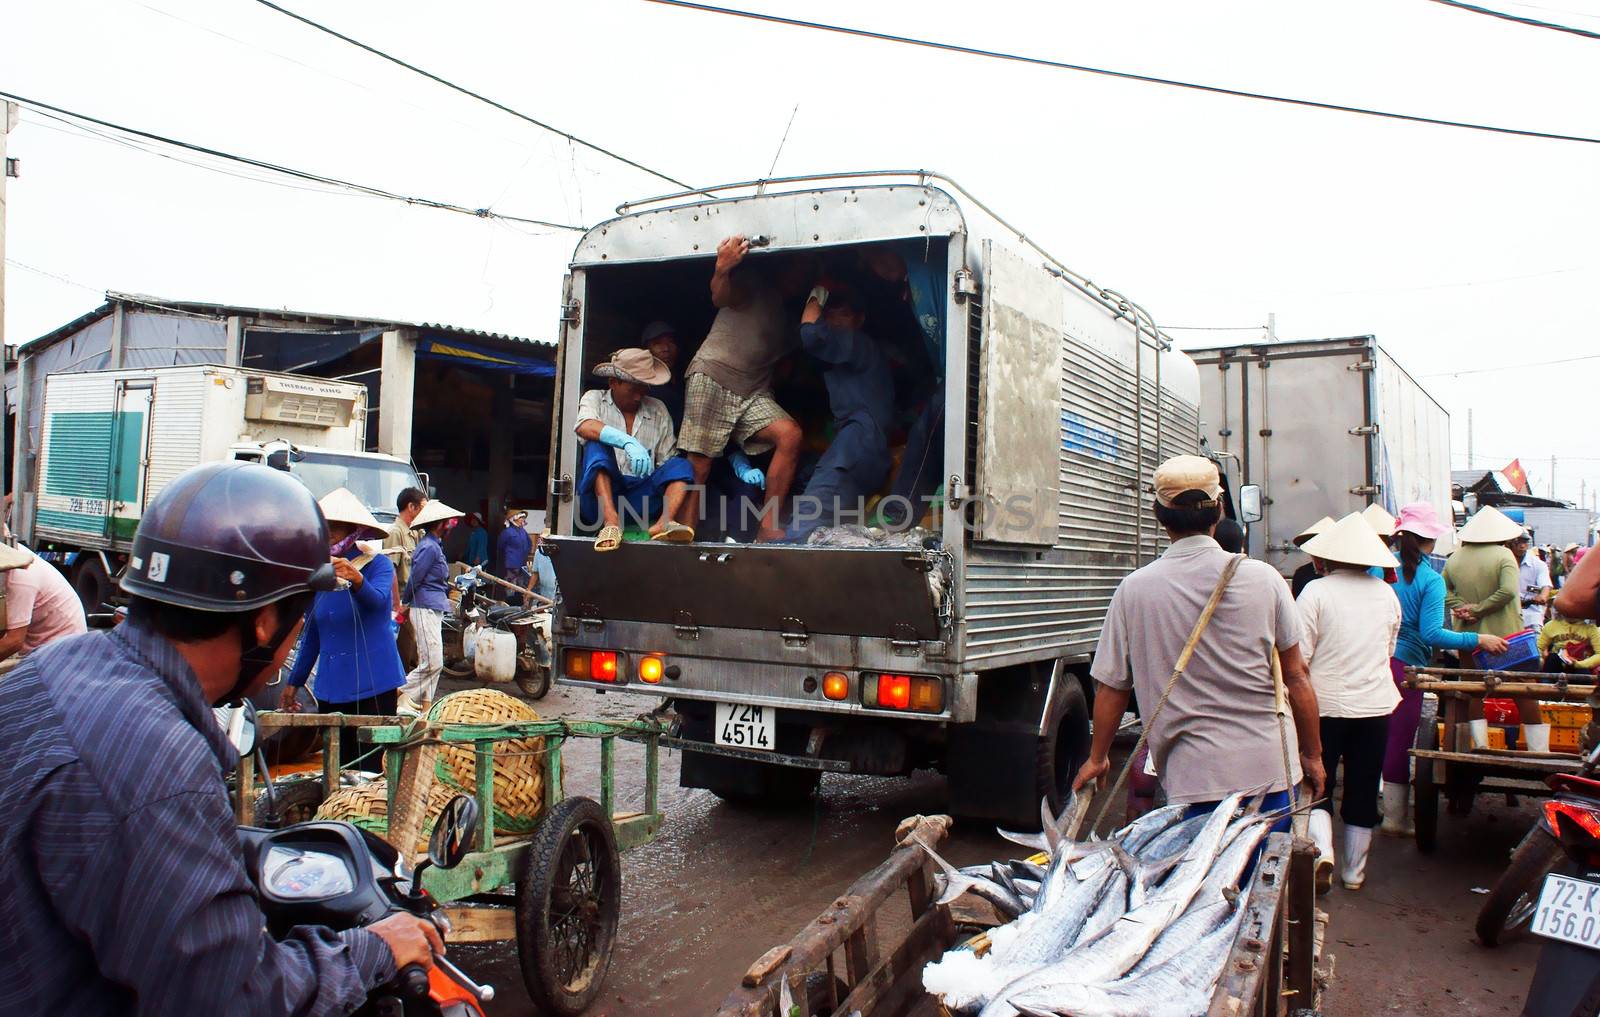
(342, 547)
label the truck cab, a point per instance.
(375, 478)
(950, 624)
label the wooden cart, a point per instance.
(855, 959)
(556, 891)
(1453, 769)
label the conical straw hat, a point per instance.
(1489, 526)
(1320, 526)
(1351, 541)
(341, 506)
(433, 512)
(1379, 519)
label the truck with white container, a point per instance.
(112, 440)
(1323, 427)
(960, 646)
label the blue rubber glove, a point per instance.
(639, 457)
(747, 471)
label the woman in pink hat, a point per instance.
(1424, 628)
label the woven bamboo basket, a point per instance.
(367, 806)
(518, 763)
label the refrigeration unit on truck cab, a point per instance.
(961, 645)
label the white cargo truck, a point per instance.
(1324, 427)
(112, 440)
(961, 646)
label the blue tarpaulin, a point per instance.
(469, 355)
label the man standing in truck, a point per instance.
(861, 396)
(1219, 731)
(728, 389)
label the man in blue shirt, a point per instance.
(861, 396)
(122, 886)
(515, 546)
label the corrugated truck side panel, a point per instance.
(1413, 441)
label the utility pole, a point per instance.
(1272, 327)
(1470, 463)
(1552, 477)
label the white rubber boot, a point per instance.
(1320, 828)
(1480, 733)
(1537, 736)
(1357, 842)
(1397, 810)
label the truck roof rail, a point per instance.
(1141, 319)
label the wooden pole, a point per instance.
(541, 601)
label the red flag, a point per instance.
(1518, 477)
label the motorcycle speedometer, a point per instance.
(292, 874)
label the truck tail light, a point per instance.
(905, 692)
(650, 669)
(590, 665)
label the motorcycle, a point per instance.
(1567, 911)
(342, 877)
(506, 631)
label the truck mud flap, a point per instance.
(870, 592)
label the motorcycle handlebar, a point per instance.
(413, 979)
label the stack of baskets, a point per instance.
(518, 771)
(519, 796)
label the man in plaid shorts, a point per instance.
(728, 391)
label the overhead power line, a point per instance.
(1124, 75)
(476, 95)
(1512, 367)
(1519, 19)
(349, 185)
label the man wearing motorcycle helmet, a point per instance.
(122, 886)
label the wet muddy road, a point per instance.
(721, 885)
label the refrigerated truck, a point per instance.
(1324, 427)
(965, 651)
(112, 440)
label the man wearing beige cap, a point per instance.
(629, 453)
(1219, 732)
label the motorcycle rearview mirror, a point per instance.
(239, 722)
(455, 832)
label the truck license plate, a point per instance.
(1569, 909)
(746, 727)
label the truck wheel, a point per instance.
(1063, 749)
(90, 582)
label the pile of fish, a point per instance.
(1137, 925)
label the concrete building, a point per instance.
(472, 409)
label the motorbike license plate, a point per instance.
(746, 727)
(1569, 910)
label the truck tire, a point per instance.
(90, 582)
(1030, 737)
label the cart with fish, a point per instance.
(1448, 766)
(1167, 917)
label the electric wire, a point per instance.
(1519, 19)
(305, 175)
(1149, 79)
(1513, 367)
(573, 138)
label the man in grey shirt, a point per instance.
(1219, 732)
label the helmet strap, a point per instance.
(255, 657)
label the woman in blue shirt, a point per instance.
(347, 635)
(426, 602)
(1423, 629)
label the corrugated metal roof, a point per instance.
(271, 314)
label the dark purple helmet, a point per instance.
(230, 537)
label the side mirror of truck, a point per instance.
(1250, 503)
(278, 459)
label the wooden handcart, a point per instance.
(855, 958)
(557, 891)
(1451, 768)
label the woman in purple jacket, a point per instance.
(426, 602)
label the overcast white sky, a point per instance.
(1461, 251)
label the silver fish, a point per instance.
(1147, 827)
(1173, 838)
(957, 883)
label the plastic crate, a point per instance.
(1567, 715)
(1501, 711)
(1497, 738)
(1565, 739)
(1521, 655)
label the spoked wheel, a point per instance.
(568, 898)
(533, 678)
(1515, 895)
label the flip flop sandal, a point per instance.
(675, 533)
(609, 539)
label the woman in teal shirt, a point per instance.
(1423, 629)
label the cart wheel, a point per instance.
(569, 894)
(1515, 894)
(533, 679)
(458, 668)
(1424, 790)
(291, 802)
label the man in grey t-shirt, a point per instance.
(1219, 732)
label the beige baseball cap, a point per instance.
(1182, 474)
(1351, 541)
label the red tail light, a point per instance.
(894, 691)
(603, 666)
(1567, 817)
